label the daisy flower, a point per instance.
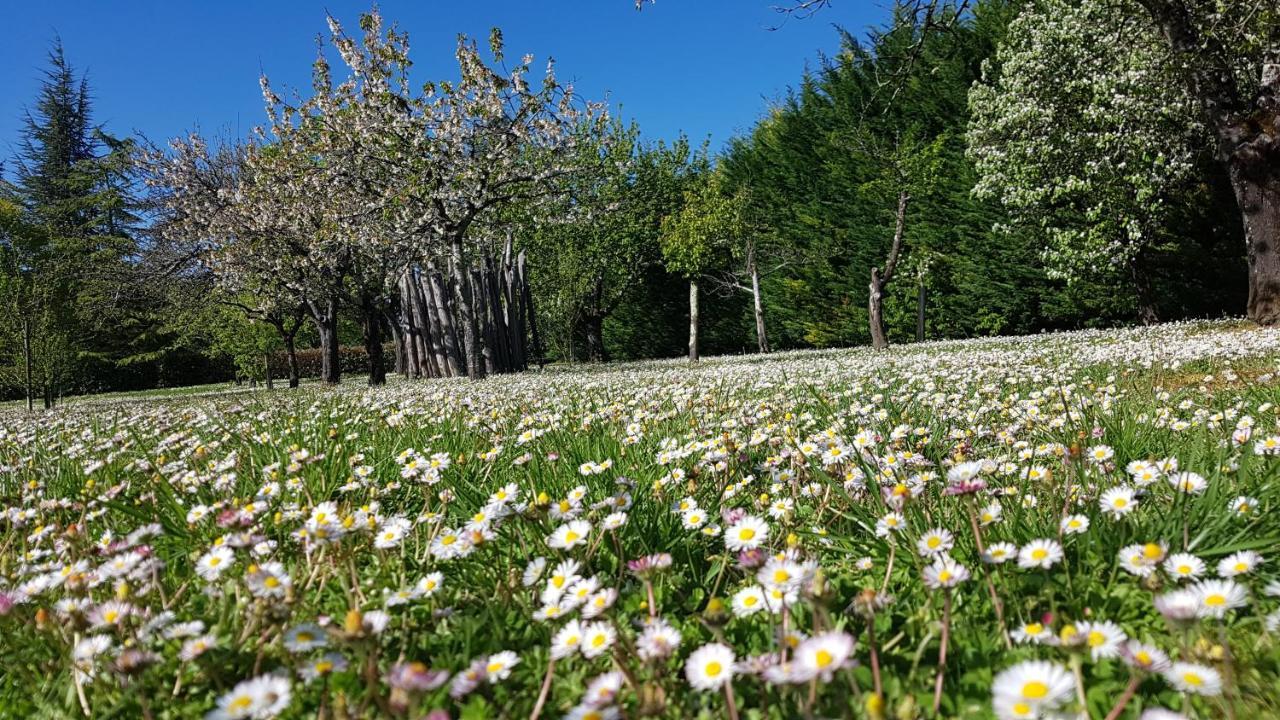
(659, 640)
(710, 667)
(1194, 678)
(1031, 687)
(935, 542)
(1102, 638)
(944, 573)
(1216, 597)
(1000, 552)
(1144, 656)
(1184, 566)
(261, 697)
(567, 640)
(890, 523)
(748, 601)
(533, 571)
(429, 584)
(749, 532)
(693, 518)
(1239, 563)
(1118, 501)
(326, 664)
(498, 666)
(597, 638)
(1188, 482)
(1033, 632)
(1074, 524)
(821, 655)
(1039, 554)
(569, 535)
(301, 638)
(1243, 506)
(212, 564)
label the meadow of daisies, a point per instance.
(1064, 526)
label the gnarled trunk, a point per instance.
(372, 318)
(875, 310)
(466, 311)
(1259, 198)
(593, 331)
(291, 355)
(325, 317)
(879, 281)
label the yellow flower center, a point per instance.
(714, 669)
(1215, 600)
(1035, 690)
(1039, 554)
(571, 536)
(823, 658)
(1192, 679)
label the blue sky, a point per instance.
(707, 67)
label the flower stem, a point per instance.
(728, 699)
(1125, 697)
(942, 650)
(546, 690)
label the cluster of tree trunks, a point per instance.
(469, 321)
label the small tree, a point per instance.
(695, 239)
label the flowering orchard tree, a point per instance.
(419, 170)
(694, 238)
(1228, 58)
(1084, 137)
(345, 191)
(215, 208)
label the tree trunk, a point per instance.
(1259, 199)
(762, 338)
(875, 294)
(593, 324)
(1144, 294)
(484, 321)
(440, 303)
(266, 368)
(373, 341)
(466, 311)
(26, 361)
(875, 310)
(693, 321)
(1247, 128)
(922, 295)
(326, 321)
(291, 354)
(527, 310)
